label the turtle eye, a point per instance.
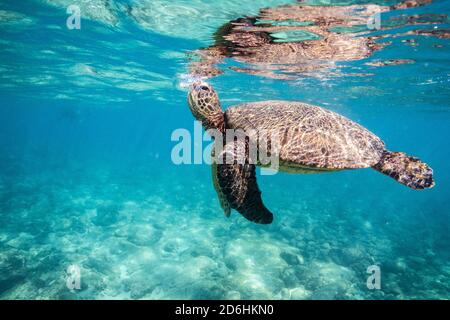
(205, 88)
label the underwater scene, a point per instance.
(93, 204)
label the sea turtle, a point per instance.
(312, 139)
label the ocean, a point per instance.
(88, 187)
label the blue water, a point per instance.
(86, 176)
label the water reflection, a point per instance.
(291, 41)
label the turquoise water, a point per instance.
(86, 176)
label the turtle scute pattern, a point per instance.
(309, 136)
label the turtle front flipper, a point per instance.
(223, 201)
(236, 180)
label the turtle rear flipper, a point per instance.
(236, 181)
(407, 170)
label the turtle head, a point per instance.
(205, 106)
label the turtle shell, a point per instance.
(308, 136)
